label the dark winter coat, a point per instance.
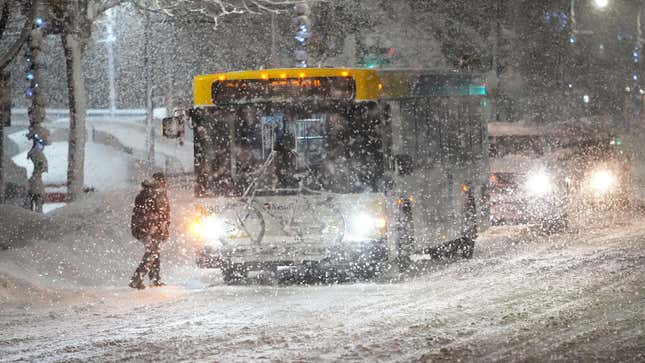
(151, 213)
(163, 213)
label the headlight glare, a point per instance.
(363, 226)
(602, 180)
(210, 227)
(539, 183)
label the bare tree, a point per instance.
(74, 18)
(9, 14)
(214, 9)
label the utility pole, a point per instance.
(109, 44)
(171, 99)
(493, 81)
(574, 29)
(2, 169)
(636, 58)
(150, 130)
(150, 145)
(303, 33)
(108, 29)
(273, 50)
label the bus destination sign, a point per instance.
(278, 89)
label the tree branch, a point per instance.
(4, 18)
(96, 9)
(13, 50)
(214, 9)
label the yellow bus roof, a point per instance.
(368, 83)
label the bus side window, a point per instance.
(408, 129)
(472, 130)
(466, 143)
(445, 134)
(385, 129)
(462, 136)
(454, 148)
(437, 131)
(426, 132)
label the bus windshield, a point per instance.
(278, 148)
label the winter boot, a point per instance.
(155, 279)
(136, 283)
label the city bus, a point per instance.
(336, 169)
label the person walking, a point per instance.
(149, 224)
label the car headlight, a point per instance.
(539, 183)
(363, 226)
(602, 180)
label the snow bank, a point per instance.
(18, 226)
(105, 168)
(83, 246)
(71, 247)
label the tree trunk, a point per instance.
(2, 170)
(5, 120)
(37, 132)
(4, 16)
(5, 98)
(77, 104)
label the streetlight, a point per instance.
(601, 4)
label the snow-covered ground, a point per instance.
(523, 296)
(578, 296)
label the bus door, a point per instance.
(465, 159)
(418, 136)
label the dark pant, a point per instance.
(150, 264)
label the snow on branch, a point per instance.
(214, 9)
(9, 52)
(97, 8)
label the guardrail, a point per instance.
(19, 115)
(89, 112)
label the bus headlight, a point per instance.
(363, 226)
(210, 228)
(539, 183)
(602, 180)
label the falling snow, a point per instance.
(383, 180)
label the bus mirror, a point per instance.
(404, 164)
(172, 127)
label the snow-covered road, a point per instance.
(576, 297)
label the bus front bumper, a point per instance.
(258, 257)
